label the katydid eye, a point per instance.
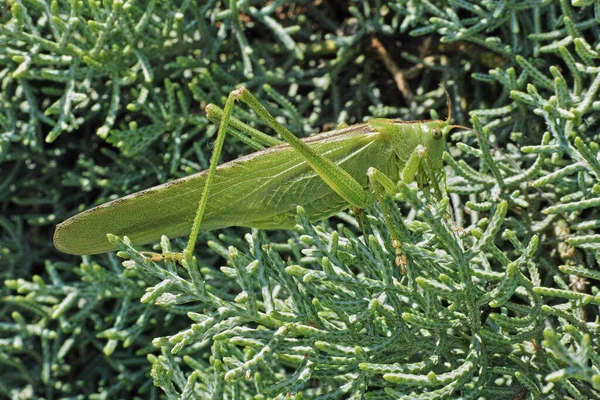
(436, 133)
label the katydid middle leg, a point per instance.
(253, 135)
(212, 168)
(383, 187)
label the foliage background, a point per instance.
(100, 99)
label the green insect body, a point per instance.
(324, 174)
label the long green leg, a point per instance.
(336, 177)
(409, 171)
(255, 138)
(412, 166)
(432, 178)
(438, 193)
(363, 223)
(384, 187)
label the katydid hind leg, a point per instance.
(227, 120)
(336, 177)
(383, 187)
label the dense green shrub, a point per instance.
(103, 98)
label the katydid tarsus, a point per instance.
(325, 174)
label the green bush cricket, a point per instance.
(325, 174)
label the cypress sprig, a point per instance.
(499, 297)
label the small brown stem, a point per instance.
(393, 68)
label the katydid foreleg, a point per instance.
(428, 175)
(336, 177)
(418, 156)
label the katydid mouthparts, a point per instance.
(325, 174)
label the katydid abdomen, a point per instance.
(260, 190)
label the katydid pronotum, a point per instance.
(352, 166)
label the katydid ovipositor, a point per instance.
(325, 174)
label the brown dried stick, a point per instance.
(391, 66)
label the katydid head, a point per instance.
(433, 138)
